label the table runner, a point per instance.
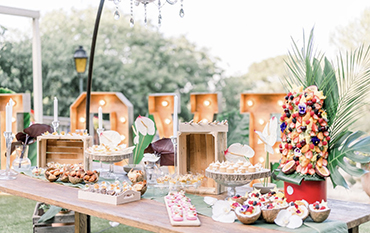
(308, 226)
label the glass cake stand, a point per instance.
(233, 180)
(111, 159)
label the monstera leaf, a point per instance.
(351, 148)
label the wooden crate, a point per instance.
(198, 145)
(61, 223)
(63, 149)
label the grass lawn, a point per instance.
(16, 217)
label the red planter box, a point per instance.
(310, 191)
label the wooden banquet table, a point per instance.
(149, 214)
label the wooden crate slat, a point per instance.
(209, 158)
(63, 156)
(64, 149)
(62, 142)
(51, 229)
(65, 161)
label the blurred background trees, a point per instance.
(138, 61)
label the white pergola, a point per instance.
(36, 55)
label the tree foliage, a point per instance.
(135, 61)
(354, 34)
(262, 77)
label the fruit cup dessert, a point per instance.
(271, 210)
(248, 214)
(299, 208)
(319, 212)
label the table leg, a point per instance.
(354, 230)
(81, 223)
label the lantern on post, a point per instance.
(80, 58)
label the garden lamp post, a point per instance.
(80, 58)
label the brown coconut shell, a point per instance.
(75, 179)
(50, 177)
(319, 215)
(246, 219)
(64, 178)
(269, 215)
(91, 178)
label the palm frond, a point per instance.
(353, 78)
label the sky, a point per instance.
(239, 32)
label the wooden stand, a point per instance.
(63, 223)
(63, 149)
(198, 146)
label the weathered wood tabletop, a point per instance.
(149, 214)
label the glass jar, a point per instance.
(21, 164)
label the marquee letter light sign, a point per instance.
(261, 106)
(205, 105)
(161, 106)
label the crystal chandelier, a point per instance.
(158, 3)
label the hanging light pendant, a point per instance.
(159, 5)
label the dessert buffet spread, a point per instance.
(180, 210)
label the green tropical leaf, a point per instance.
(351, 138)
(144, 141)
(356, 157)
(352, 170)
(362, 145)
(352, 145)
(53, 210)
(336, 177)
(295, 178)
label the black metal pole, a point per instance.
(89, 82)
(91, 63)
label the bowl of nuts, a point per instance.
(76, 176)
(91, 177)
(52, 174)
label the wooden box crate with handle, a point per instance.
(60, 223)
(198, 145)
(63, 149)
